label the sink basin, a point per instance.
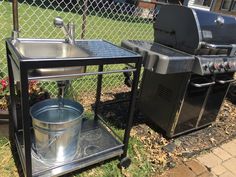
(50, 48)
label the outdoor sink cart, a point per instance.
(29, 59)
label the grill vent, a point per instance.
(164, 92)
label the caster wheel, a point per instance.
(125, 162)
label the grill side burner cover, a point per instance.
(161, 59)
(186, 29)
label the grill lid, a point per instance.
(195, 31)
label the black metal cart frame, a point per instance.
(24, 65)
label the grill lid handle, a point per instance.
(215, 46)
(202, 85)
(225, 81)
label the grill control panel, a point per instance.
(212, 65)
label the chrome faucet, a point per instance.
(68, 30)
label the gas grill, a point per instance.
(187, 69)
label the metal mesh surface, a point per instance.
(94, 19)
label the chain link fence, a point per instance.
(94, 19)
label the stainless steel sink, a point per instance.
(46, 49)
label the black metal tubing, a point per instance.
(20, 152)
(26, 118)
(134, 90)
(75, 62)
(12, 118)
(26, 65)
(98, 92)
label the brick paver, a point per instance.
(218, 170)
(221, 162)
(179, 171)
(227, 154)
(227, 174)
(210, 160)
(230, 148)
(191, 168)
(221, 153)
(206, 174)
(196, 167)
(231, 165)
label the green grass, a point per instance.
(7, 165)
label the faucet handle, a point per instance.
(58, 22)
(71, 30)
(68, 30)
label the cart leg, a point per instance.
(13, 126)
(125, 161)
(98, 92)
(26, 120)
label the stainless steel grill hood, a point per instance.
(195, 31)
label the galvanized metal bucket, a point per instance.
(57, 125)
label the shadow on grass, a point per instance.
(115, 112)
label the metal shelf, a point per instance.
(96, 145)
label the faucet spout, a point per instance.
(68, 30)
(71, 32)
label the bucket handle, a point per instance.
(51, 141)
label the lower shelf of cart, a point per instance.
(97, 144)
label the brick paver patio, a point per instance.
(220, 162)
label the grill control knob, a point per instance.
(211, 66)
(226, 65)
(218, 66)
(205, 66)
(221, 65)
